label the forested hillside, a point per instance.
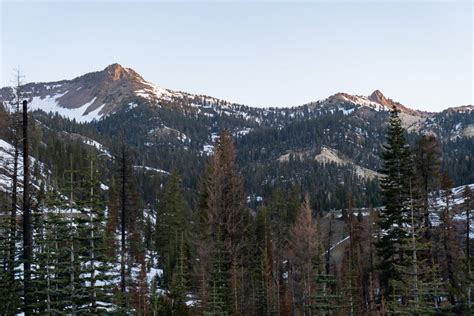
(121, 197)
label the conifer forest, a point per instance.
(316, 195)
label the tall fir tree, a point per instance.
(395, 189)
(172, 228)
(97, 269)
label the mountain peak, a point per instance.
(117, 72)
(378, 96)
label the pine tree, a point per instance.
(96, 275)
(27, 229)
(180, 280)
(394, 217)
(427, 163)
(353, 265)
(172, 223)
(123, 229)
(52, 256)
(451, 262)
(9, 290)
(303, 254)
(223, 209)
(277, 212)
(418, 288)
(15, 136)
(262, 263)
(467, 205)
(217, 301)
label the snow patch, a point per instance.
(50, 104)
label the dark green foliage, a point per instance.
(9, 289)
(326, 299)
(172, 228)
(218, 297)
(396, 185)
(96, 275)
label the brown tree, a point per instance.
(224, 218)
(452, 255)
(303, 256)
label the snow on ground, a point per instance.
(97, 145)
(170, 131)
(152, 169)
(50, 104)
(348, 111)
(439, 204)
(256, 198)
(132, 105)
(243, 132)
(152, 92)
(207, 150)
(6, 167)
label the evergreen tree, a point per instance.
(262, 263)
(124, 228)
(417, 290)
(9, 289)
(96, 275)
(172, 225)
(180, 281)
(394, 217)
(427, 163)
(217, 301)
(51, 284)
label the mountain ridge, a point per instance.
(98, 94)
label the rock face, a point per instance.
(100, 93)
(377, 96)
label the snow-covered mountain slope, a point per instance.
(91, 96)
(96, 95)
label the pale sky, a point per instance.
(259, 54)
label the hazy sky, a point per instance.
(260, 54)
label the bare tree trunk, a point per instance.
(414, 252)
(91, 221)
(468, 252)
(14, 199)
(27, 233)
